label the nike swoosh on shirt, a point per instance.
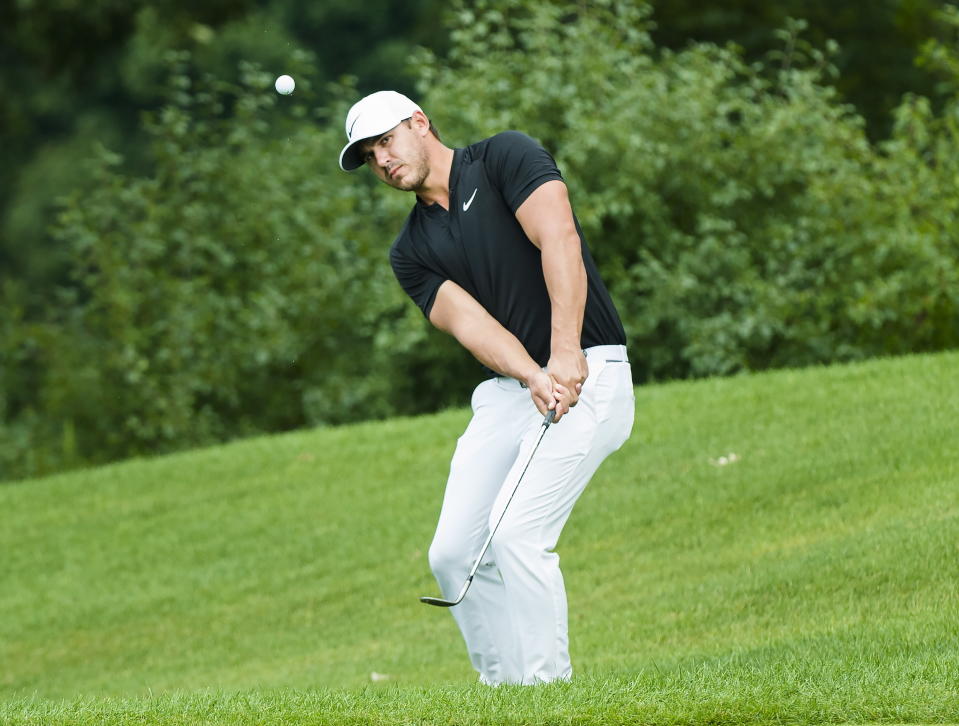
(466, 205)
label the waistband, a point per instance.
(609, 353)
(612, 353)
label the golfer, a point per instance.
(492, 254)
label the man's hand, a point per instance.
(547, 394)
(569, 371)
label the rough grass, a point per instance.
(812, 579)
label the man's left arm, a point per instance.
(547, 219)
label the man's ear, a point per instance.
(420, 123)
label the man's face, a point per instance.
(398, 157)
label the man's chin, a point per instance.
(405, 183)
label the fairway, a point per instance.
(781, 547)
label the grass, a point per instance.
(814, 579)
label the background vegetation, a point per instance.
(182, 262)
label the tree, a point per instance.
(877, 41)
(82, 74)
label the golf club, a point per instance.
(440, 602)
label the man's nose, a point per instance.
(382, 156)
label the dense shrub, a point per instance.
(738, 213)
(243, 287)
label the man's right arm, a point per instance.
(458, 313)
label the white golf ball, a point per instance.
(285, 85)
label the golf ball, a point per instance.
(285, 85)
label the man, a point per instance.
(492, 254)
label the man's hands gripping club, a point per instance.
(548, 395)
(569, 372)
(458, 313)
(559, 386)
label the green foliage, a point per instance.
(941, 54)
(82, 73)
(877, 41)
(738, 212)
(243, 287)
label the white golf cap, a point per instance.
(371, 116)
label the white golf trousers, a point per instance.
(513, 618)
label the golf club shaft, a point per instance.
(489, 539)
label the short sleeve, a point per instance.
(518, 165)
(419, 282)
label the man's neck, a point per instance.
(436, 187)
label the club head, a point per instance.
(439, 602)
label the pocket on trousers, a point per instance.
(615, 401)
(476, 398)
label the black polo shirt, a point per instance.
(480, 245)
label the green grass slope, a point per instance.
(813, 577)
